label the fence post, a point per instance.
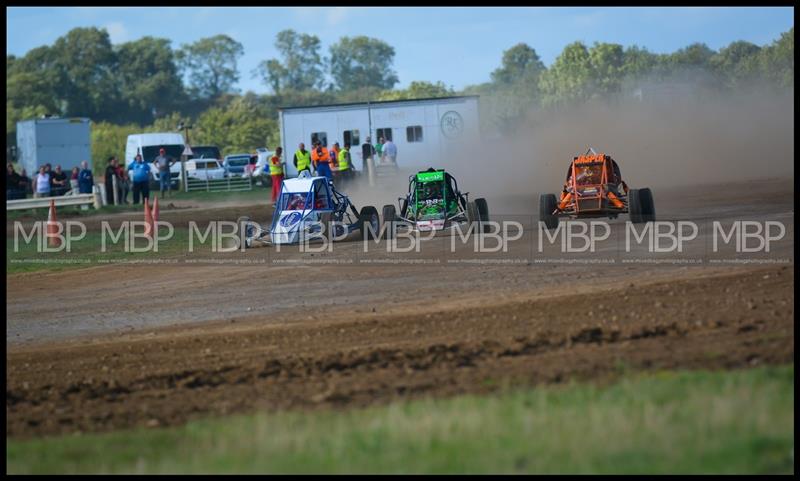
(98, 202)
(184, 180)
(114, 189)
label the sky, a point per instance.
(459, 46)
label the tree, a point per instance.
(84, 64)
(607, 69)
(568, 79)
(242, 126)
(419, 90)
(520, 63)
(149, 80)
(638, 62)
(362, 62)
(302, 67)
(776, 61)
(211, 65)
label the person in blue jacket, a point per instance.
(140, 174)
(85, 179)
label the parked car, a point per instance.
(205, 152)
(204, 169)
(235, 164)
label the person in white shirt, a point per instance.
(390, 151)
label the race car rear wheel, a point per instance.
(635, 206)
(472, 213)
(547, 205)
(326, 219)
(648, 209)
(369, 221)
(483, 212)
(246, 233)
(389, 216)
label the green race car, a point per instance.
(433, 202)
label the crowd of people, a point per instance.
(334, 163)
(48, 182)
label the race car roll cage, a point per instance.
(338, 210)
(591, 199)
(450, 183)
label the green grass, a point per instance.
(667, 422)
(87, 252)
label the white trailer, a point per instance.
(424, 130)
(57, 141)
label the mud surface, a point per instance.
(154, 345)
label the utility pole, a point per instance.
(186, 151)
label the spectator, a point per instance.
(367, 150)
(379, 149)
(85, 178)
(12, 184)
(73, 179)
(24, 184)
(141, 179)
(42, 183)
(390, 151)
(164, 162)
(123, 185)
(60, 182)
(111, 173)
(276, 172)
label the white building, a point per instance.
(423, 130)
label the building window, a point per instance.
(386, 133)
(321, 136)
(414, 133)
(352, 137)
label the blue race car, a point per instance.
(310, 208)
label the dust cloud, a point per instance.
(671, 141)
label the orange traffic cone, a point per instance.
(53, 240)
(148, 220)
(155, 210)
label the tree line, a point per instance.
(146, 85)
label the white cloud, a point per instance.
(117, 32)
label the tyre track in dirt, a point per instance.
(733, 319)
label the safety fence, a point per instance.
(227, 184)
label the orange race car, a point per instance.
(594, 188)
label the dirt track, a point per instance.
(214, 339)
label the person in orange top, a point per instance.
(321, 159)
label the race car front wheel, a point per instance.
(369, 221)
(246, 231)
(547, 205)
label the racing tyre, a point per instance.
(472, 213)
(246, 234)
(404, 208)
(548, 204)
(325, 219)
(369, 217)
(635, 206)
(648, 209)
(483, 213)
(389, 215)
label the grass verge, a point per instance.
(665, 422)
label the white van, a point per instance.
(149, 144)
